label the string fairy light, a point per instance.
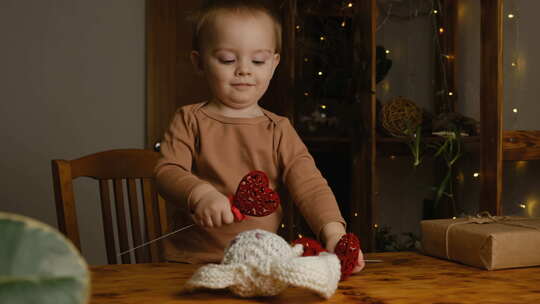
(515, 81)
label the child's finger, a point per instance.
(359, 267)
(361, 262)
(196, 220)
(207, 222)
(227, 217)
(216, 220)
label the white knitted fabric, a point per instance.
(261, 263)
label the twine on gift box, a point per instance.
(486, 218)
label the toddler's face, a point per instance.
(238, 58)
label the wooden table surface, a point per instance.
(403, 277)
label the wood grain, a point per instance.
(403, 278)
(521, 145)
(491, 100)
(364, 200)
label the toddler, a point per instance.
(211, 145)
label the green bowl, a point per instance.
(39, 265)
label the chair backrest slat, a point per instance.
(106, 215)
(151, 214)
(163, 216)
(135, 220)
(129, 165)
(121, 222)
(66, 213)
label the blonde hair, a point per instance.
(211, 8)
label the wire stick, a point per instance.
(159, 238)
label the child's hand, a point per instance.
(331, 243)
(212, 209)
(331, 234)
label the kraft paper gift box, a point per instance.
(489, 242)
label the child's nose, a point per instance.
(243, 69)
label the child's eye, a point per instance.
(226, 61)
(258, 62)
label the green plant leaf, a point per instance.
(39, 265)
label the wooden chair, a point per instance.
(130, 169)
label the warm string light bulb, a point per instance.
(387, 51)
(356, 214)
(343, 24)
(449, 57)
(320, 73)
(435, 11)
(350, 4)
(476, 174)
(323, 107)
(511, 16)
(523, 206)
(441, 30)
(515, 110)
(450, 94)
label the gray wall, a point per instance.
(72, 82)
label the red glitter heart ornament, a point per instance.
(311, 246)
(254, 197)
(347, 250)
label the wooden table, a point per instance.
(403, 277)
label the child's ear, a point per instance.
(276, 62)
(196, 60)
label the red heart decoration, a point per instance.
(347, 250)
(254, 197)
(311, 246)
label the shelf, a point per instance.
(397, 146)
(326, 144)
(517, 145)
(425, 139)
(521, 145)
(326, 139)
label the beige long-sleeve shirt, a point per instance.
(204, 147)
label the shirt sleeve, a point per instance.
(174, 178)
(309, 190)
